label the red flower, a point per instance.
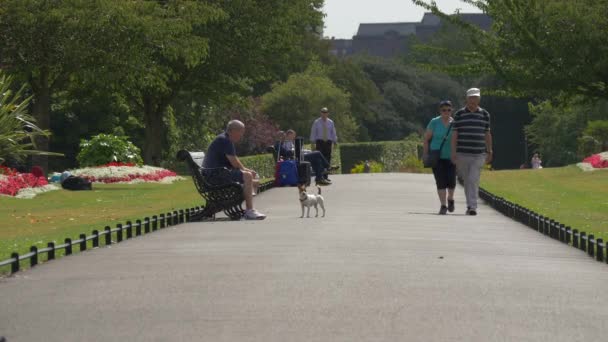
(17, 181)
(7, 171)
(596, 161)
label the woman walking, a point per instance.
(437, 140)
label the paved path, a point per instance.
(380, 267)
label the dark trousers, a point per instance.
(317, 162)
(325, 148)
(445, 174)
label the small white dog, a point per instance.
(308, 201)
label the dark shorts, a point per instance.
(237, 175)
(445, 174)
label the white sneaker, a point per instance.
(254, 215)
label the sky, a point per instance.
(344, 16)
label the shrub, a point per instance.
(263, 164)
(557, 127)
(374, 167)
(105, 148)
(413, 164)
(594, 138)
(17, 128)
(389, 153)
(260, 131)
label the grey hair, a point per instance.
(234, 125)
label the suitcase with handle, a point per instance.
(304, 167)
(304, 173)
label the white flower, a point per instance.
(588, 167)
(123, 174)
(32, 192)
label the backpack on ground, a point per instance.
(76, 183)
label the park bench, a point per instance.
(216, 186)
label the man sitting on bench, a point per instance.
(222, 153)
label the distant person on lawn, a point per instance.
(536, 162)
(222, 153)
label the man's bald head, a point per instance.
(235, 125)
(235, 130)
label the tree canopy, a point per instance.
(538, 47)
(139, 58)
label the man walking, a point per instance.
(323, 134)
(222, 153)
(471, 145)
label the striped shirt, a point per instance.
(472, 128)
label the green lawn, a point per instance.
(568, 195)
(56, 215)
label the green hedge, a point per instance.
(390, 153)
(263, 164)
(335, 154)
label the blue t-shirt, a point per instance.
(439, 130)
(217, 152)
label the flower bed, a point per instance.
(22, 185)
(126, 173)
(595, 162)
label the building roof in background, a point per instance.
(380, 29)
(388, 39)
(428, 20)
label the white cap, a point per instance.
(324, 110)
(473, 92)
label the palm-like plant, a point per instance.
(17, 128)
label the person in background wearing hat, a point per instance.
(471, 145)
(323, 134)
(438, 132)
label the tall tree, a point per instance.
(364, 95)
(410, 97)
(213, 48)
(541, 47)
(295, 104)
(43, 42)
(168, 51)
